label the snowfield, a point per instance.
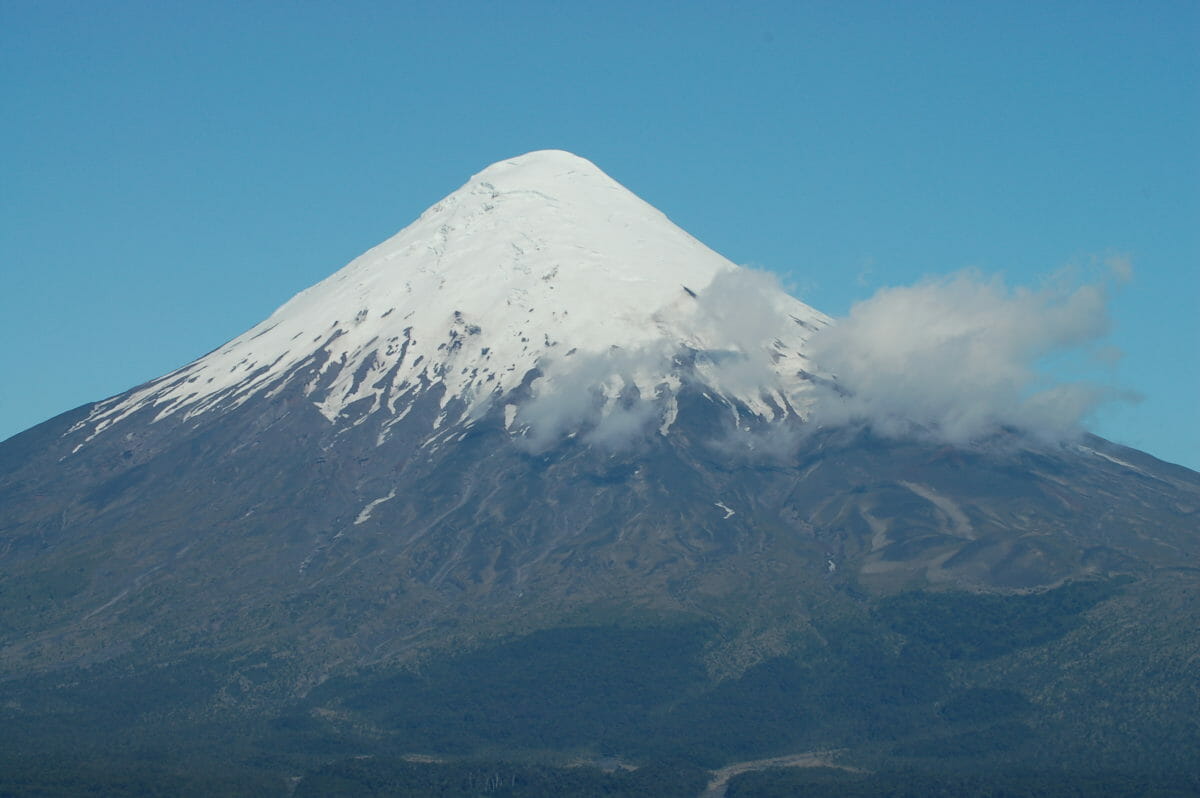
(541, 261)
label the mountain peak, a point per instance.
(556, 178)
(534, 259)
(539, 166)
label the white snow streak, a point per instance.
(365, 514)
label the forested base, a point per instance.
(117, 777)
(887, 686)
(365, 777)
(828, 783)
(371, 777)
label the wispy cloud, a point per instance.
(953, 359)
(722, 332)
(959, 357)
(593, 395)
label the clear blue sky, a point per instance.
(171, 172)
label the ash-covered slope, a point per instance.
(534, 475)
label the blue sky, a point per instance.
(172, 172)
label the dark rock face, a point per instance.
(347, 585)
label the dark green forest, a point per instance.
(827, 783)
(893, 688)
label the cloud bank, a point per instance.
(961, 357)
(594, 396)
(952, 359)
(721, 334)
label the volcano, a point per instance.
(537, 480)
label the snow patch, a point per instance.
(365, 514)
(1112, 459)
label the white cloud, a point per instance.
(594, 394)
(953, 359)
(957, 358)
(615, 398)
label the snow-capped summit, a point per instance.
(540, 261)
